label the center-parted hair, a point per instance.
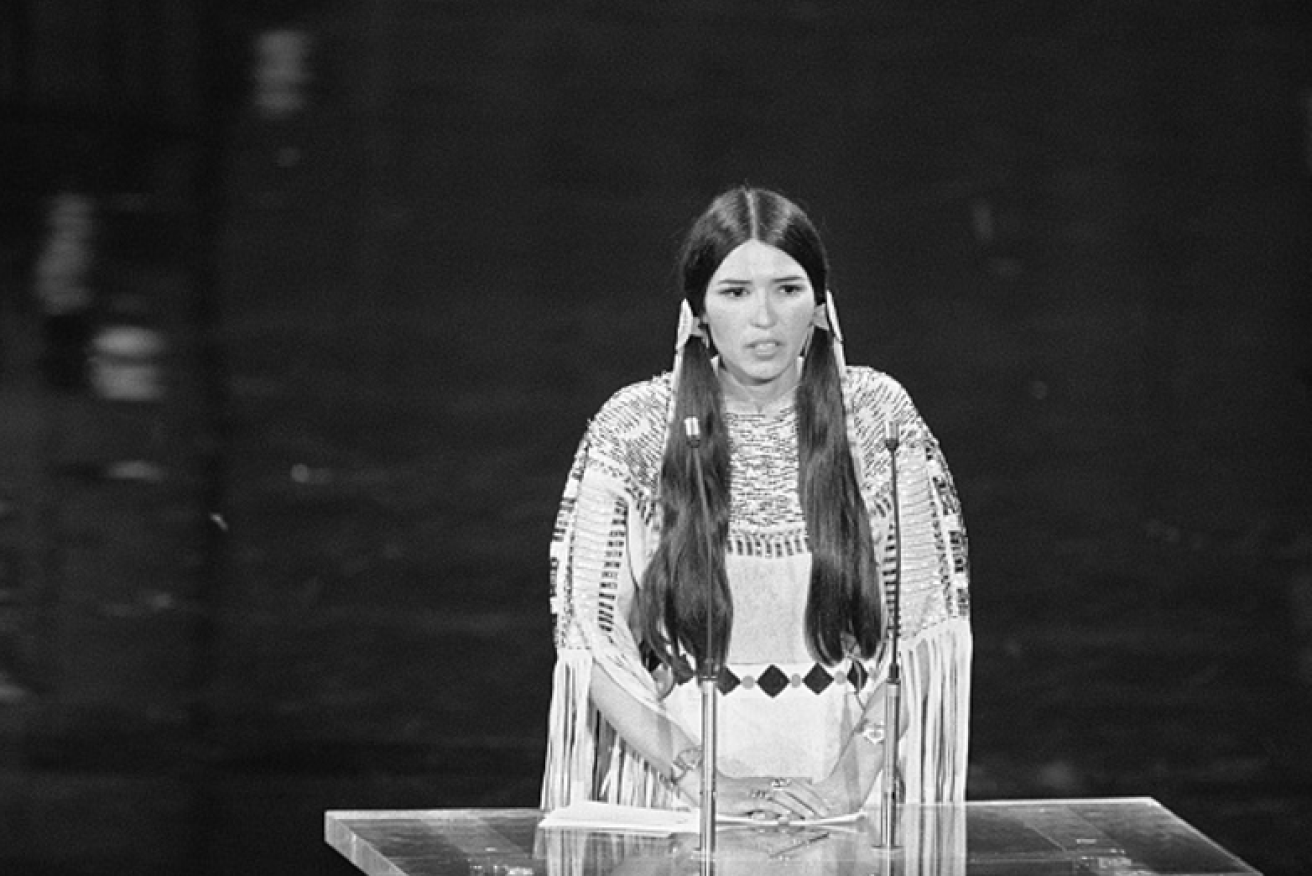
(843, 609)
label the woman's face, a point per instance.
(759, 308)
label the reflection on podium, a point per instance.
(1124, 837)
(935, 845)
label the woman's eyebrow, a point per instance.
(734, 281)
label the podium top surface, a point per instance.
(1108, 837)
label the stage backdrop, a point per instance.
(1079, 237)
(400, 250)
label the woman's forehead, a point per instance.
(753, 260)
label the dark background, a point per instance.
(311, 574)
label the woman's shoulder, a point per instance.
(634, 415)
(869, 387)
(875, 400)
(638, 401)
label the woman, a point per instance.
(799, 502)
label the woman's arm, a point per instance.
(850, 783)
(661, 742)
(597, 556)
(929, 560)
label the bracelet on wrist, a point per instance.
(871, 731)
(685, 762)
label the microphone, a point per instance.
(893, 694)
(706, 666)
(693, 432)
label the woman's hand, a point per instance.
(770, 799)
(841, 794)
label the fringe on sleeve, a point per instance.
(586, 758)
(936, 682)
(571, 752)
(936, 643)
(598, 531)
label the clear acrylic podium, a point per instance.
(1106, 837)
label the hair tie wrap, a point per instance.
(689, 327)
(827, 318)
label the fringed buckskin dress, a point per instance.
(780, 711)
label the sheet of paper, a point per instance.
(589, 814)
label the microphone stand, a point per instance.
(707, 670)
(893, 699)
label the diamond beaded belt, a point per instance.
(773, 681)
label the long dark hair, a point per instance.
(843, 610)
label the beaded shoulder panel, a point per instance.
(627, 440)
(935, 548)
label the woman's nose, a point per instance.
(763, 312)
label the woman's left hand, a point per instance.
(841, 796)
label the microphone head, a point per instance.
(692, 431)
(892, 434)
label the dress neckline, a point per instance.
(775, 407)
(744, 406)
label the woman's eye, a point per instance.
(792, 289)
(732, 291)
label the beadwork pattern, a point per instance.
(624, 444)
